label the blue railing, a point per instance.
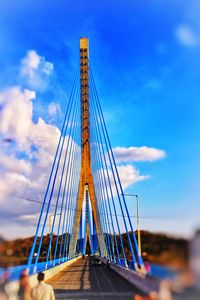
(131, 265)
(15, 272)
(154, 270)
(121, 262)
(162, 272)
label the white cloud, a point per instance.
(26, 157)
(186, 36)
(130, 175)
(133, 154)
(14, 165)
(16, 121)
(47, 67)
(30, 63)
(27, 147)
(54, 109)
(16, 114)
(24, 176)
(35, 70)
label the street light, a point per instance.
(50, 216)
(138, 220)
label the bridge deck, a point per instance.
(81, 280)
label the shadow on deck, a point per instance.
(81, 280)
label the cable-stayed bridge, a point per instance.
(84, 208)
(84, 186)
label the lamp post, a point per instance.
(138, 220)
(50, 216)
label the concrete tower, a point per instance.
(86, 185)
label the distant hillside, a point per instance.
(2, 240)
(163, 249)
(156, 248)
(16, 252)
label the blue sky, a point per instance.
(146, 62)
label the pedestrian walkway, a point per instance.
(81, 280)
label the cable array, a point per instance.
(109, 192)
(52, 244)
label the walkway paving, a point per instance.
(81, 280)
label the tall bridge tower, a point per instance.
(86, 186)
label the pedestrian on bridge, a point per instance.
(24, 292)
(42, 291)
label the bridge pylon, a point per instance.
(86, 185)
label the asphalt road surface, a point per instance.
(81, 280)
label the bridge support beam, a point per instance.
(86, 177)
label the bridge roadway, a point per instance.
(81, 280)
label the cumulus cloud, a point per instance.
(26, 157)
(16, 113)
(30, 63)
(47, 67)
(186, 35)
(35, 70)
(16, 120)
(27, 147)
(130, 175)
(54, 109)
(14, 165)
(134, 154)
(24, 167)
